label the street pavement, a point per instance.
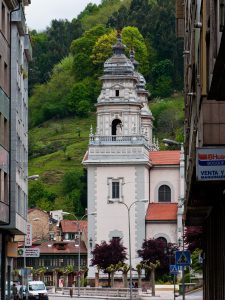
(197, 295)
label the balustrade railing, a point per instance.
(122, 140)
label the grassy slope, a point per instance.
(69, 148)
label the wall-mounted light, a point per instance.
(191, 94)
(198, 25)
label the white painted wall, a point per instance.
(165, 175)
(114, 217)
(167, 230)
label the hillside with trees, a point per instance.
(64, 87)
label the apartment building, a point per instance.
(15, 53)
(201, 23)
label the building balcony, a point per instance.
(122, 140)
(11, 4)
(27, 47)
(19, 18)
(4, 213)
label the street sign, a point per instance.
(29, 252)
(210, 164)
(28, 236)
(183, 258)
(174, 269)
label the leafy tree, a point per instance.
(107, 254)
(81, 50)
(49, 47)
(74, 186)
(169, 118)
(102, 13)
(39, 196)
(153, 251)
(196, 265)
(161, 79)
(131, 38)
(83, 96)
(193, 237)
(49, 100)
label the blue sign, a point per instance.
(183, 258)
(174, 269)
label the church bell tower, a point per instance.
(117, 159)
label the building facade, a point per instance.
(15, 53)
(122, 174)
(204, 77)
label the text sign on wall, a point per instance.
(28, 252)
(28, 237)
(210, 164)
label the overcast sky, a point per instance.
(40, 12)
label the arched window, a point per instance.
(116, 127)
(162, 239)
(164, 193)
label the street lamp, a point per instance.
(33, 177)
(169, 142)
(78, 226)
(129, 235)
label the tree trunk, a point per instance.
(108, 279)
(139, 280)
(152, 281)
(82, 279)
(55, 279)
(97, 279)
(112, 279)
(125, 281)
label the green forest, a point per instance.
(68, 59)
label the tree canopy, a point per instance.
(106, 254)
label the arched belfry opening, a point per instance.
(116, 127)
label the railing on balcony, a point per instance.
(122, 140)
(18, 17)
(27, 47)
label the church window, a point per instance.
(164, 193)
(117, 93)
(115, 190)
(162, 239)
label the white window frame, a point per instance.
(110, 181)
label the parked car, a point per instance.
(37, 290)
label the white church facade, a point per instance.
(131, 183)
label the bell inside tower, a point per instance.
(116, 127)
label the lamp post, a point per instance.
(78, 227)
(172, 142)
(129, 236)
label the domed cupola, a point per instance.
(118, 63)
(142, 93)
(120, 103)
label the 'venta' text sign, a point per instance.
(210, 164)
(28, 236)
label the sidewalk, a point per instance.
(159, 295)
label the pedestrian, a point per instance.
(14, 291)
(71, 292)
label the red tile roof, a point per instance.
(165, 157)
(161, 212)
(72, 225)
